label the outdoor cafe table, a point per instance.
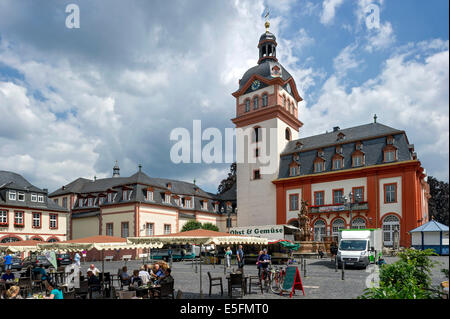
(144, 290)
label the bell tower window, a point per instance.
(255, 103)
(265, 100)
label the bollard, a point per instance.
(196, 267)
(304, 267)
(336, 263)
(343, 271)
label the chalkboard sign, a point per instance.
(292, 280)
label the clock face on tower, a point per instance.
(256, 84)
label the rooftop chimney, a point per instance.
(336, 128)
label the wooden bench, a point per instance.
(109, 258)
(126, 257)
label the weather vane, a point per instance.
(266, 16)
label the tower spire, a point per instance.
(116, 170)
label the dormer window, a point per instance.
(169, 185)
(357, 160)
(125, 195)
(90, 202)
(339, 149)
(216, 207)
(319, 166)
(40, 198)
(110, 198)
(294, 169)
(247, 105)
(340, 136)
(255, 103)
(359, 146)
(101, 200)
(12, 195)
(187, 202)
(338, 163)
(34, 197)
(205, 205)
(299, 145)
(21, 196)
(149, 195)
(389, 156)
(80, 202)
(167, 198)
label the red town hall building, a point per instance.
(367, 176)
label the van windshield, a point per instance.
(353, 245)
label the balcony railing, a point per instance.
(338, 208)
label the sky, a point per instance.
(75, 100)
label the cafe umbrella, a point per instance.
(198, 237)
(23, 246)
(101, 243)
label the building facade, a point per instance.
(27, 213)
(139, 205)
(368, 173)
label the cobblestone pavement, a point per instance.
(321, 280)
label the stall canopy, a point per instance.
(94, 242)
(286, 243)
(433, 235)
(198, 237)
(23, 246)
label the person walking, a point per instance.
(228, 254)
(240, 258)
(333, 250)
(77, 259)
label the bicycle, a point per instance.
(265, 278)
(277, 279)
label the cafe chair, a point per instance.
(216, 281)
(25, 285)
(236, 281)
(166, 291)
(37, 281)
(257, 280)
(83, 291)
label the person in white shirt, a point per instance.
(94, 270)
(144, 275)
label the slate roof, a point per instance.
(431, 226)
(139, 183)
(373, 137)
(264, 70)
(355, 134)
(16, 182)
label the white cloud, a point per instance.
(329, 10)
(380, 38)
(410, 93)
(346, 60)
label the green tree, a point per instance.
(407, 278)
(191, 225)
(228, 182)
(210, 226)
(438, 204)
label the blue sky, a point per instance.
(72, 101)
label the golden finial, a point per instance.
(267, 26)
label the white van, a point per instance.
(358, 247)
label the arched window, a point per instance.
(358, 223)
(10, 239)
(247, 105)
(319, 230)
(337, 224)
(288, 134)
(255, 102)
(391, 224)
(284, 101)
(52, 240)
(36, 239)
(265, 100)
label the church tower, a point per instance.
(266, 120)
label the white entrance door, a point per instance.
(390, 224)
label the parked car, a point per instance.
(36, 260)
(63, 259)
(16, 264)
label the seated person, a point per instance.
(135, 281)
(145, 276)
(13, 293)
(167, 277)
(55, 293)
(157, 272)
(124, 276)
(8, 275)
(320, 252)
(40, 270)
(93, 281)
(94, 270)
